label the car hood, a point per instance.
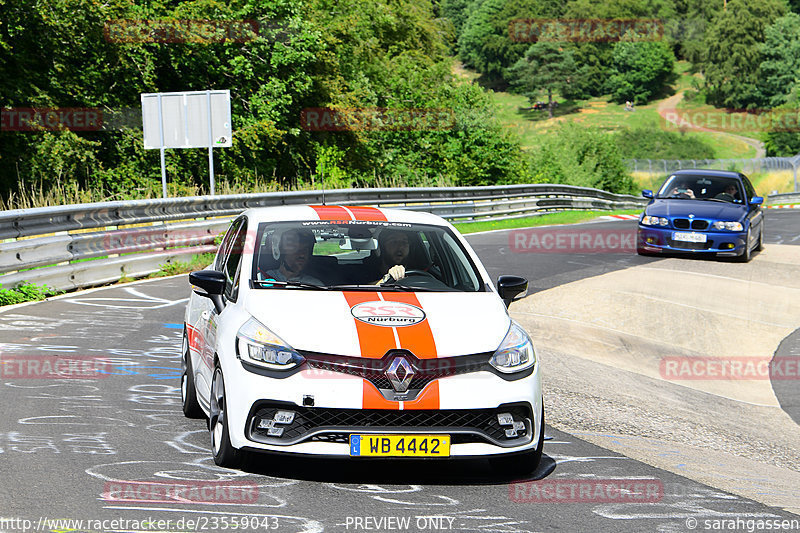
(369, 323)
(698, 208)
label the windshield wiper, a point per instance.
(715, 200)
(268, 283)
(380, 288)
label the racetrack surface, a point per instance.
(66, 446)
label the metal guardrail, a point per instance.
(40, 248)
(784, 198)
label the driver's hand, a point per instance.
(395, 273)
(398, 272)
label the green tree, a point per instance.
(781, 60)
(640, 70)
(549, 67)
(733, 44)
(486, 44)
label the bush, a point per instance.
(646, 143)
(27, 292)
(581, 156)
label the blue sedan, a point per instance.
(705, 212)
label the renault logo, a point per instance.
(400, 374)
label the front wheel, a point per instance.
(224, 452)
(760, 245)
(746, 254)
(521, 463)
(191, 408)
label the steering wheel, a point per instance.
(412, 272)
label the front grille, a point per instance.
(681, 223)
(335, 425)
(374, 370)
(685, 223)
(691, 245)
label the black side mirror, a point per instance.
(511, 287)
(212, 283)
(647, 193)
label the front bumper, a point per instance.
(330, 406)
(722, 243)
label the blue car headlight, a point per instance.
(515, 353)
(257, 345)
(648, 220)
(728, 226)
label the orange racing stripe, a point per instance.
(331, 212)
(366, 213)
(374, 340)
(418, 339)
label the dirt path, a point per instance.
(671, 104)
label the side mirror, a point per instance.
(511, 287)
(212, 282)
(756, 200)
(647, 193)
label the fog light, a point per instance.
(511, 433)
(505, 419)
(284, 417)
(266, 424)
(275, 432)
(727, 246)
(651, 240)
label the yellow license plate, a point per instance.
(400, 445)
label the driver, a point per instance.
(729, 194)
(295, 248)
(394, 246)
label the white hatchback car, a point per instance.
(359, 332)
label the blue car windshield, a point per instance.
(702, 187)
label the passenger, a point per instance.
(681, 192)
(295, 250)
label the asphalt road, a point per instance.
(94, 449)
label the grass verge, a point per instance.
(563, 217)
(197, 262)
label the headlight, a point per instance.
(257, 345)
(515, 352)
(729, 226)
(647, 220)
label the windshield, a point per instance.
(359, 255)
(691, 187)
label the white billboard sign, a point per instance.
(191, 119)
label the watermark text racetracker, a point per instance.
(565, 241)
(584, 30)
(53, 367)
(587, 491)
(732, 120)
(376, 119)
(683, 368)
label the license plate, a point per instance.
(400, 445)
(688, 237)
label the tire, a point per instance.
(191, 407)
(520, 463)
(224, 453)
(745, 256)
